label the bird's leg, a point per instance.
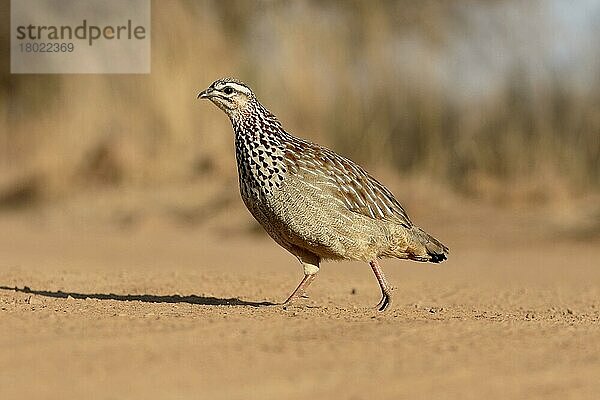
(311, 267)
(386, 289)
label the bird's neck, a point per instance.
(257, 124)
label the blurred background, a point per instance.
(480, 103)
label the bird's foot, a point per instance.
(385, 302)
(300, 291)
(293, 300)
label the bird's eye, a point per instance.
(228, 90)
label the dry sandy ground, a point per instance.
(164, 311)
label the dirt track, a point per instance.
(170, 313)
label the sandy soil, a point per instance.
(167, 311)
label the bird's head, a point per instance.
(230, 95)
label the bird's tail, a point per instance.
(427, 248)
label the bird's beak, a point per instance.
(205, 94)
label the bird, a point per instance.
(313, 202)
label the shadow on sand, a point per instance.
(146, 298)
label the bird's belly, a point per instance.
(316, 223)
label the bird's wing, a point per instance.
(359, 191)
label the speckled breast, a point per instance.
(261, 172)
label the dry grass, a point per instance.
(395, 85)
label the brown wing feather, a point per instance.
(360, 192)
